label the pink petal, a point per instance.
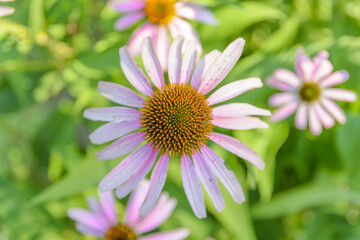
(160, 213)
(324, 69)
(87, 218)
(279, 99)
(134, 203)
(301, 116)
(174, 65)
(178, 234)
(238, 110)
(226, 177)
(157, 182)
(95, 207)
(284, 112)
(127, 5)
(125, 169)
(203, 66)
(314, 121)
(145, 30)
(334, 109)
(326, 120)
(238, 148)
(274, 83)
(209, 182)
(113, 130)
(239, 123)
(133, 73)
(128, 20)
(4, 11)
(317, 60)
(222, 65)
(192, 187)
(306, 67)
(86, 230)
(287, 77)
(152, 64)
(112, 114)
(339, 94)
(334, 79)
(108, 205)
(120, 94)
(162, 45)
(300, 57)
(234, 89)
(188, 62)
(193, 11)
(124, 189)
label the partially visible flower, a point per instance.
(4, 11)
(161, 18)
(309, 93)
(102, 221)
(176, 118)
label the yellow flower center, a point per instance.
(160, 12)
(309, 92)
(120, 232)
(177, 119)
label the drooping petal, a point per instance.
(284, 112)
(157, 182)
(113, 130)
(162, 45)
(5, 11)
(283, 98)
(193, 11)
(120, 94)
(326, 120)
(226, 177)
(125, 169)
(209, 182)
(128, 20)
(174, 61)
(339, 94)
(234, 89)
(127, 5)
(134, 203)
(222, 65)
(314, 121)
(287, 77)
(108, 206)
(84, 229)
(324, 69)
(202, 67)
(192, 187)
(112, 114)
(301, 116)
(188, 62)
(238, 148)
(133, 73)
(334, 109)
(145, 30)
(238, 110)
(177, 234)
(152, 64)
(334, 79)
(87, 218)
(239, 123)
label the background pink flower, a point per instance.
(309, 93)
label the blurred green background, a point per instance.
(53, 53)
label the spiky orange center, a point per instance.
(120, 232)
(309, 92)
(177, 119)
(160, 12)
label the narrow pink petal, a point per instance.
(239, 123)
(188, 62)
(162, 45)
(151, 63)
(158, 215)
(274, 83)
(300, 57)
(334, 79)
(222, 65)
(284, 112)
(279, 99)
(209, 182)
(113, 130)
(87, 218)
(307, 68)
(157, 182)
(326, 120)
(317, 60)
(238, 148)
(4, 11)
(314, 121)
(112, 114)
(174, 61)
(125, 169)
(124, 189)
(120, 94)
(339, 94)
(334, 109)
(226, 177)
(133, 73)
(145, 30)
(287, 77)
(108, 205)
(177, 234)
(134, 203)
(193, 11)
(324, 69)
(234, 89)
(203, 66)
(127, 5)
(128, 20)
(192, 187)
(238, 110)
(301, 116)
(86, 230)
(95, 207)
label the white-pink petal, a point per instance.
(339, 94)
(84, 229)
(301, 117)
(326, 120)
(174, 60)
(314, 121)
(145, 30)
(203, 66)
(89, 219)
(334, 79)
(306, 67)
(128, 20)
(334, 109)
(287, 77)
(193, 11)
(324, 69)
(239, 123)
(112, 114)
(127, 5)
(188, 62)
(238, 110)
(177, 234)
(107, 201)
(283, 98)
(134, 203)
(274, 83)
(162, 45)
(284, 112)
(4, 11)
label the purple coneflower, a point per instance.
(161, 18)
(102, 221)
(175, 118)
(309, 93)
(4, 11)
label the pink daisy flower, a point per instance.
(102, 221)
(161, 18)
(4, 11)
(175, 118)
(309, 93)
